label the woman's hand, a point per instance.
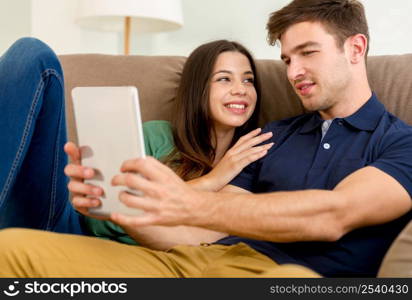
(85, 196)
(235, 159)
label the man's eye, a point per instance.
(306, 53)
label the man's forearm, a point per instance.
(367, 197)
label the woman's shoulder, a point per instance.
(158, 138)
(157, 125)
(157, 129)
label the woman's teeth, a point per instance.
(237, 106)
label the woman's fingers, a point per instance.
(250, 142)
(246, 157)
(249, 135)
(242, 159)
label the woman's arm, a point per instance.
(164, 237)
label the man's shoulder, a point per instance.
(291, 122)
(395, 127)
(397, 123)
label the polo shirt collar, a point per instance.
(365, 118)
(313, 123)
(368, 116)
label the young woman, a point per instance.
(208, 143)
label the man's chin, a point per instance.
(309, 106)
(312, 104)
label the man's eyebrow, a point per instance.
(300, 47)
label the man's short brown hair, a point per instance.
(341, 18)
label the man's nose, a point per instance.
(295, 71)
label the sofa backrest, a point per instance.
(157, 78)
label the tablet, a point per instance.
(109, 130)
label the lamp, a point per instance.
(121, 15)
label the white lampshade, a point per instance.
(145, 15)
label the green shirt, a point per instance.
(158, 141)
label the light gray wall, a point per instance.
(243, 20)
(240, 20)
(390, 23)
(15, 21)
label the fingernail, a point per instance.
(96, 191)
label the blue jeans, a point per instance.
(33, 186)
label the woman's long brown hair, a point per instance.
(192, 124)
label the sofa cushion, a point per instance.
(390, 77)
(157, 78)
(398, 260)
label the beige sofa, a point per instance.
(157, 78)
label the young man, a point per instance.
(331, 195)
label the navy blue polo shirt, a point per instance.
(300, 159)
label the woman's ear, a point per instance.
(357, 44)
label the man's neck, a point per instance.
(351, 100)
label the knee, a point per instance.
(11, 239)
(28, 43)
(14, 241)
(14, 251)
(32, 53)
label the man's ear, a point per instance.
(357, 45)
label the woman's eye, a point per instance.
(250, 80)
(223, 79)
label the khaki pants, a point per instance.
(32, 253)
